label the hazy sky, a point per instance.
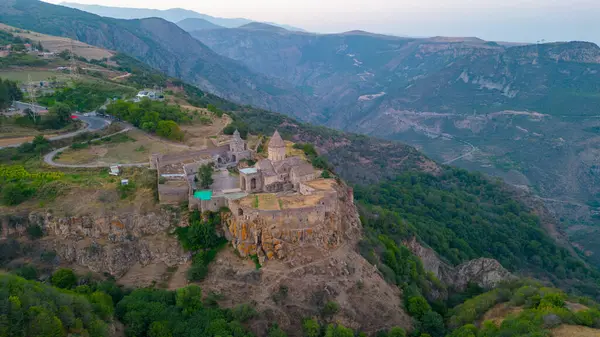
(505, 20)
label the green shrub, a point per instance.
(330, 308)
(64, 278)
(34, 232)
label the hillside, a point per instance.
(408, 205)
(158, 43)
(192, 24)
(173, 15)
(520, 112)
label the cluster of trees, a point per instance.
(201, 238)
(29, 308)
(9, 92)
(85, 96)
(544, 309)
(152, 116)
(162, 313)
(464, 216)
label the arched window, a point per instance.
(253, 183)
(240, 212)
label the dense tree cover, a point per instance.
(462, 216)
(9, 92)
(151, 116)
(154, 312)
(86, 96)
(544, 309)
(29, 308)
(201, 238)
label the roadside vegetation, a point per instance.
(151, 116)
(85, 96)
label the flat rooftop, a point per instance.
(322, 184)
(272, 202)
(249, 170)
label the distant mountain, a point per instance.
(192, 24)
(162, 45)
(173, 15)
(526, 113)
(263, 26)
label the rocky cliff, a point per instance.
(486, 273)
(311, 270)
(106, 243)
(322, 220)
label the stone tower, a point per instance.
(237, 143)
(276, 147)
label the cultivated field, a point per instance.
(58, 44)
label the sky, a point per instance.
(498, 20)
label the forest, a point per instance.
(463, 216)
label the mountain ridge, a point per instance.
(172, 14)
(159, 43)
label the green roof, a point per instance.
(203, 195)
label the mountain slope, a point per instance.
(160, 44)
(173, 15)
(524, 113)
(192, 24)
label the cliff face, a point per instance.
(111, 243)
(322, 220)
(308, 268)
(486, 273)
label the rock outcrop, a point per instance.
(486, 273)
(108, 243)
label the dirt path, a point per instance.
(120, 77)
(473, 149)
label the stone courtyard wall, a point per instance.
(272, 234)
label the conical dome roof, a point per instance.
(276, 140)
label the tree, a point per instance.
(43, 323)
(418, 306)
(311, 328)
(169, 130)
(64, 278)
(397, 332)
(330, 309)
(205, 175)
(338, 331)
(189, 299)
(275, 331)
(61, 112)
(433, 323)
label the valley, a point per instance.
(359, 210)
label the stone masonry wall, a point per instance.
(280, 233)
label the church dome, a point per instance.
(276, 140)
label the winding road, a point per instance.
(93, 124)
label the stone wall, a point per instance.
(280, 234)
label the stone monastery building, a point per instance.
(275, 205)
